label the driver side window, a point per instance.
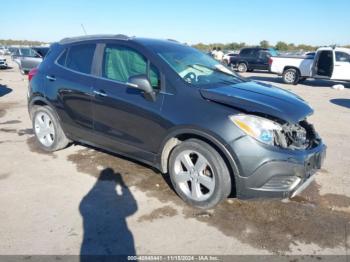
(120, 63)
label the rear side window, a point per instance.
(120, 63)
(62, 59)
(247, 52)
(79, 58)
(342, 57)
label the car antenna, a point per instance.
(82, 26)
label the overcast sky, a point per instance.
(316, 22)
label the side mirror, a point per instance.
(142, 83)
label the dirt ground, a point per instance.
(84, 201)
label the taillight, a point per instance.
(32, 73)
(270, 61)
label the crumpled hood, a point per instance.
(260, 98)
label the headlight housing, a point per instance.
(262, 129)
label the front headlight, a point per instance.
(260, 128)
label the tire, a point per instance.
(242, 67)
(210, 176)
(51, 138)
(291, 76)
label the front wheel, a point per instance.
(199, 174)
(291, 76)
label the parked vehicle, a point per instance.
(29, 57)
(227, 57)
(3, 50)
(3, 63)
(177, 109)
(252, 58)
(328, 63)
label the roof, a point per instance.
(70, 40)
(141, 40)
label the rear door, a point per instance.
(69, 85)
(124, 120)
(341, 69)
(262, 61)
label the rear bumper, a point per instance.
(273, 172)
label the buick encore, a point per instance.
(175, 108)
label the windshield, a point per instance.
(195, 67)
(273, 52)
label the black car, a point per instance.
(176, 109)
(252, 58)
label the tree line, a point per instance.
(281, 46)
(8, 42)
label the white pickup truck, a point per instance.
(332, 63)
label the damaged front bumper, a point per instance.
(274, 172)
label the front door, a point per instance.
(124, 120)
(341, 66)
(323, 64)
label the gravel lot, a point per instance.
(66, 203)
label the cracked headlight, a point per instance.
(262, 129)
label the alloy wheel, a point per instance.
(194, 175)
(44, 129)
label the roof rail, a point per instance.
(69, 40)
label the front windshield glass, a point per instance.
(195, 67)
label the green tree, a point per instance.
(281, 46)
(264, 44)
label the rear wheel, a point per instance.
(198, 174)
(48, 132)
(242, 67)
(291, 76)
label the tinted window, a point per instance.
(342, 57)
(247, 52)
(120, 63)
(264, 55)
(62, 59)
(80, 57)
(42, 51)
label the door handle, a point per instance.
(100, 93)
(51, 78)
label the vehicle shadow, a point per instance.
(341, 102)
(4, 90)
(104, 211)
(307, 82)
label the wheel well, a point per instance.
(292, 67)
(36, 103)
(176, 140)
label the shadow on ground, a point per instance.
(274, 225)
(341, 102)
(4, 90)
(104, 211)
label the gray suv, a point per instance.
(176, 109)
